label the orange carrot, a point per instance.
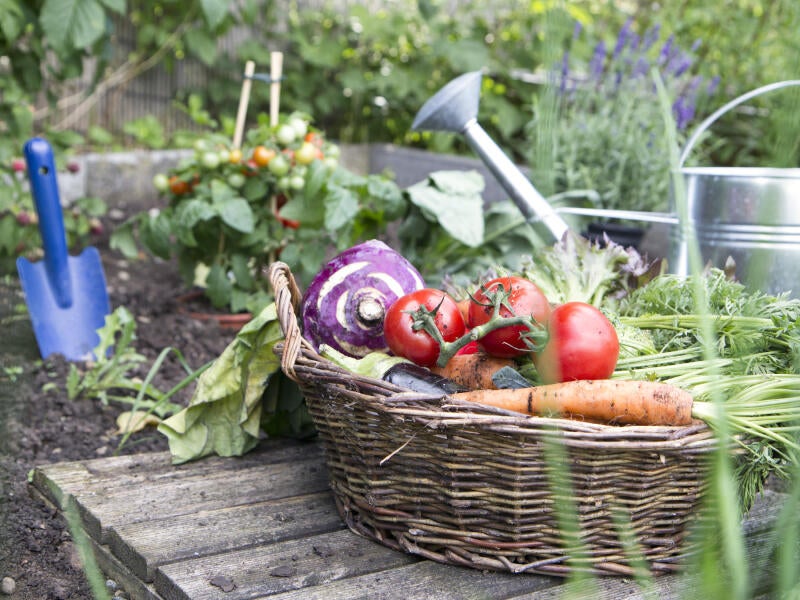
(604, 400)
(473, 371)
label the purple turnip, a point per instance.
(345, 304)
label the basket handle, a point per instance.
(722, 110)
(287, 302)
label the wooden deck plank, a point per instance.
(108, 506)
(58, 479)
(422, 581)
(146, 545)
(265, 570)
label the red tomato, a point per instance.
(524, 299)
(582, 344)
(418, 346)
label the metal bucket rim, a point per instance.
(754, 172)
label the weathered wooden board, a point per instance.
(265, 526)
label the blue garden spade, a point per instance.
(66, 295)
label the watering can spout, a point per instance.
(454, 108)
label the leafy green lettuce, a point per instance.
(242, 393)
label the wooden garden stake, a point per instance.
(275, 73)
(244, 100)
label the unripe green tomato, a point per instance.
(299, 125)
(331, 162)
(236, 180)
(279, 166)
(296, 182)
(210, 160)
(224, 155)
(305, 154)
(332, 151)
(285, 134)
(200, 146)
(283, 183)
(161, 182)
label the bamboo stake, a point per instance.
(244, 100)
(276, 70)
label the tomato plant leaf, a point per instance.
(218, 286)
(341, 207)
(238, 214)
(155, 234)
(122, 240)
(453, 199)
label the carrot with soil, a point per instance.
(623, 402)
(473, 371)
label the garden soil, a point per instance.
(39, 424)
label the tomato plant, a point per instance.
(403, 325)
(582, 344)
(518, 297)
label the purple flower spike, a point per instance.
(622, 39)
(712, 85)
(651, 37)
(597, 64)
(666, 51)
(576, 31)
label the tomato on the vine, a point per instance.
(582, 344)
(418, 345)
(306, 153)
(262, 155)
(178, 186)
(523, 298)
(279, 165)
(235, 156)
(161, 182)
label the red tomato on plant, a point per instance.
(524, 298)
(582, 344)
(417, 345)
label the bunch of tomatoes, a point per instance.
(507, 317)
(278, 153)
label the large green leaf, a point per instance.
(240, 393)
(214, 11)
(11, 20)
(218, 286)
(341, 207)
(202, 45)
(72, 23)
(238, 214)
(453, 198)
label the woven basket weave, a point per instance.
(472, 486)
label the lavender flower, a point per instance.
(651, 37)
(666, 51)
(622, 39)
(576, 30)
(597, 64)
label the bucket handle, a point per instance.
(722, 110)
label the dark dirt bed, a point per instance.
(39, 424)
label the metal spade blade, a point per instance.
(454, 108)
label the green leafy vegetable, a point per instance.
(242, 392)
(576, 270)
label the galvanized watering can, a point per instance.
(746, 214)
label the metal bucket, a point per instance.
(748, 215)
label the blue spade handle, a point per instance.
(44, 188)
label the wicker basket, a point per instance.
(472, 486)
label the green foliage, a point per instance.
(108, 377)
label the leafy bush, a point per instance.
(607, 133)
